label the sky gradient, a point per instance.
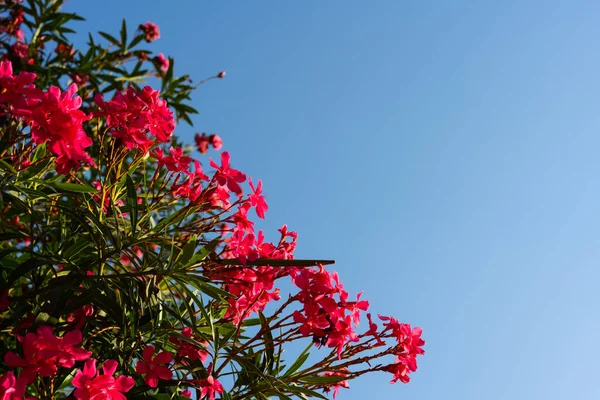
(444, 153)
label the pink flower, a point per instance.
(64, 51)
(89, 384)
(77, 318)
(221, 74)
(42, 353)
(58, 121)
(202, 142)
(21, 50)
(18, 92)
(257, 200)
(187, 349)
(154, 368)
(216, 141)
(64, 349)
(134, 115)
(228, 176)
(163, 63)
(336, 386)
(209, 386)
(10, 388)
(80, 79)
(409, 346)
(176, 162)
(151, 31)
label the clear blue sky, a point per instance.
(444, 153)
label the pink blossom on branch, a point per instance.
(151, 31)
(209, 386)
(90, 384)
(43, 352)
(134, 115)
(187, 350)
(163, 63)
(154, 368)
(18, 93)
(58, 121)
(228, 176)
(337, 386)
(257, 200)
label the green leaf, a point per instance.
(67, 381)
(71, 187)
(323, 380)
(76, 248)
(305, 392)
(269, 359)
(212, 291)
(187, 252)
(39, 153)
(110, 38)
(299, 361)
(6, 166)
(25, 268)
(205, 251)
(132, 203)
(124, 33)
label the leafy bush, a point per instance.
(130, 271)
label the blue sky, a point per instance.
(444, 153)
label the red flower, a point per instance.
(131, 116)
(228, 176)
(216, 141)
(336, 386)
(176, 162)
(89, 384)
(258, 200)
(42, 353)
(151, 31)
(163, 63)
(21, 50)
(12, 388)
(58, 121)
(203, 141)
(80, 79)
(154, 368)
(187, 349)
(64, 349)
(209, 386)
(64, 51)
(221, 74)
(18, 92)
(408, 347)
(78, 317)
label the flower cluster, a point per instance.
(151, 31)
(186, 350)
(136, 269)
(409, 346)
(43, 353)
(57, 120)
(90, 384)
(154, 367)
(133, 115)
(12, 24)
(203, 141)
(328, 320)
